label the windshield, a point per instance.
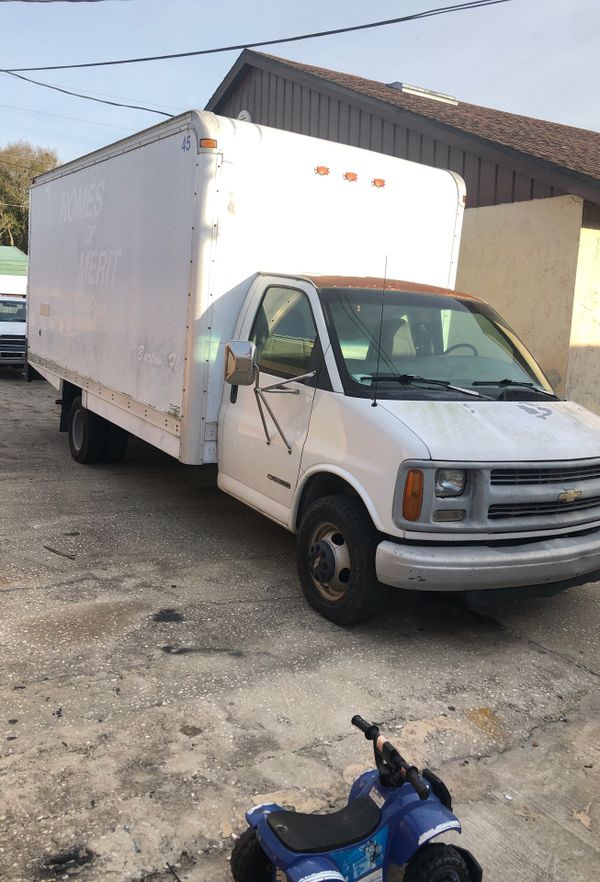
(400, 341)
(12, 310)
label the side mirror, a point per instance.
(240, 363)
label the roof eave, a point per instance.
(554, 174)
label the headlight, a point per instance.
(449, 482)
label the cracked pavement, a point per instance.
(161, 673)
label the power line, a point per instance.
(4, 151)
(11, 73)
(428, 13)
(60, 116)
(52, 1)
(38, 168)
(127, 98)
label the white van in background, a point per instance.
(13, 309)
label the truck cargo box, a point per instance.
(141, 255)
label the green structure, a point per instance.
(13, 271)
(13, 262)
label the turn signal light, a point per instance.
(413, 495)
(350, 176)
(208, 143)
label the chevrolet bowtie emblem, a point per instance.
(569, 495)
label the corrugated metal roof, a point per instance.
(12, 261)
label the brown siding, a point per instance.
(278, 101)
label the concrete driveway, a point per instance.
(160, 673)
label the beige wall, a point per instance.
(583, 378)
(522, 259)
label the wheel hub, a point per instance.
(329, 561)
(321, 560)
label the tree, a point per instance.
(19, 163)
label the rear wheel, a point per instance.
(88, 433)
(336, 560)
(248, 861)
(437, 863)
(116, 444)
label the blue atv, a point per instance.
(392, 816)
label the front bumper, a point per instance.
(477, 567)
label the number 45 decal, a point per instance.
(186, 144)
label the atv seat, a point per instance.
(313, 833)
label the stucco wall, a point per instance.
(583, 378)
(522, 258)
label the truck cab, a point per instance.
(408, 437)
(13, 330)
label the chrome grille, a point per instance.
(558, 475)
(11, 345)
(534, 509)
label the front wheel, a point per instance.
(437, 863)
(336, 560)
(248, 861)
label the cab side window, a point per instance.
(284, 333)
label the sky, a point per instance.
(533, 57)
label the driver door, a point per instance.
(261, 470)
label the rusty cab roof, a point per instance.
(387, 284)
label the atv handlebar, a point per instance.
(391, 764)
(370, 729)
(417, 783)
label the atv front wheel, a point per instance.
(248, 861)
(437, 863)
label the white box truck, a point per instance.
(284, 306)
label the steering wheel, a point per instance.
(458, 346)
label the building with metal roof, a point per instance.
(502, 156)
(531, 233)
(13, 270)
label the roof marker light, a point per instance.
(378, 182)
(350, 176)
(321, 170)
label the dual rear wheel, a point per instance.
(92, 438)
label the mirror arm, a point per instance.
(278, 387)
(262, 403)
(261, 400)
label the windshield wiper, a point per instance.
(411, 379)
(508, 382)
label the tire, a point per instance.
(248, 861)
(437, 863)
(116, 444)
(336, 560)
(88, 433)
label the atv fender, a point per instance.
(420, 823)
